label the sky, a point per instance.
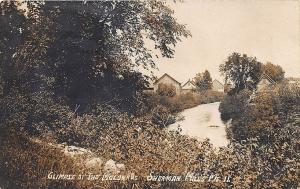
(265, 29)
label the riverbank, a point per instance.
(164, 110)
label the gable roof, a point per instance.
(166, 75)
(189, 81)
(266, 76)
(218, 82)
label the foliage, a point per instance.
(274, 71)
(25, 163)
(12, 34)
(203, 81)
(166, 90)
(86, 52)
(38, 114)
(143, 148)
(266, 128)
(267, 111)
(234, 105)
(181, 101)
(162, 116)
(242, 71)
(210, 96)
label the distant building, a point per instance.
(167, 79)
(217, 86)
(189, 86)
(265, 81)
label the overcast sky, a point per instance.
(266, 29)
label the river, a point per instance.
(203, 121)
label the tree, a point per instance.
(242, 71)
(13, 31)
(274, 71)
(203, 81)
(74, 57)
(88, 52)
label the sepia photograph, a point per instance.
(150, 94)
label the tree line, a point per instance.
(83, 52)
(244, 72)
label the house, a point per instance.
(167, 79)
(265, 81)
(217, 86)
(189, 86)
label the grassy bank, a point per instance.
(143, 147)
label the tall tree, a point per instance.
(203, 81)
(242, 71)
(274, 71)
(89, 51)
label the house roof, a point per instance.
(266, 76)
(189, 81)
(189, 85)
(166, 75)
(218, 82)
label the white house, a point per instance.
(217, 86)
(189, 86)
(167, 79)
(265, 81)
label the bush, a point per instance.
(37, 114)
(265, 131)
(164, 110)
(142, 147)
(26, 164)
(210, 96)
(233, 105)
(182, 101)
(162, 116)
(267, 111)
(166, 90)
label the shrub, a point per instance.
(38, 114)
(265, 132)
(166, 90)
(233, 105)
(267, 111)
(26, 164)
(210, 96)
(142, 147)
(162, 116)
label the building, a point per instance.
(167, 79)
(217, 86)
(189, 86)
(265, 81)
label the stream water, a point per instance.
(203, 121)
